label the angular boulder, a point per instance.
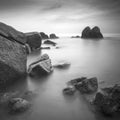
(108, 100)
(41, 67)
(53, 36)
(34, 40)
(18, 105)
(92, 33)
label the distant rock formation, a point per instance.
(43, 35)
(76, 36)
(13, 56)
(34, 40)
(91, 33)
(53, 36)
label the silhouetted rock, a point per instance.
(41, 67)
(70, 90)
(91, 33)
(50, 42)
(34, 40)
(108, 100)
(43, 35)
(18, 105)
(76, 36)
(53, 36)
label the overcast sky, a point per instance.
(61, 16)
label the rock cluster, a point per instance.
(91, 33)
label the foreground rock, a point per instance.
(91, 33)
(41, 67)
(108, 100)
(70, 90)
(85, 85)
(43, 35)
(49, 42)
(53, 36)
(34, 40)
(18, 105)
(13, 56)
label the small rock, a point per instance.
(69, 90)
(18, 105)
(49, 42)
(62, 65)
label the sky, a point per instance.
(63, 17)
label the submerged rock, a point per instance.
(53, 36)
(34, 40)
(70, 90)
(18, 105)
(41, 67)
(108, 100)
(91, 33)
(62, 65)
(50, 42)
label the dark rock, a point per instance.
(91, 33)
(108, 100)
(41, 67)
(49, 42)
(28, 49)
(45, 47)
(62, 65)
(18, 105)
(53, 36)
(76, 36)
(34, 40)
(69, 90)
(88, 85)
(43, 35)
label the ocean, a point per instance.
(89, 58)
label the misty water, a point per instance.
(90, 58)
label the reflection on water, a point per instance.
(89, 58)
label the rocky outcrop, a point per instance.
(49, 42)
(41, 67)
(91, 33)
(108, 100)
(70, 90)
(43, 35)
(13, 56)
(18, 105)
(53, 36)
(34, 40)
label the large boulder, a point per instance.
(34, 40)
(108, 100)
(40, 67)
(91, 33)
(12, 34)
(13, 59)
(18, 105)
(43, 35)
(53, 36)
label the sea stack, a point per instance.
(94, 33)
(13, 56)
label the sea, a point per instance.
(87, 58)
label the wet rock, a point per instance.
(34, 40)
(43, 35)
(45, 48)
(62, 65)
(108, 100)
(91, 33)
(70, 90)
(88, 85)
(53, 36)
(41, 67)
(18, 105)
(49, 42)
